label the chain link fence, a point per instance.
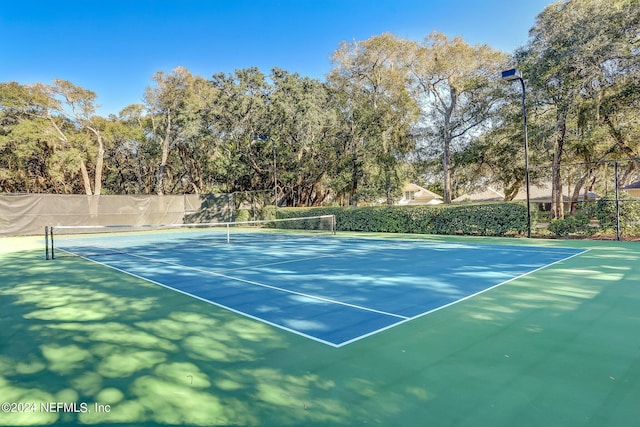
(599, 200)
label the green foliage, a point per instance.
(268, 212)
(577, 73)
(459, 88)
(391, 109)
(605, 212)
(377, 114)
(578, 224)
(242, 215)
(497, 219)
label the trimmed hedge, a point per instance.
(578, 224)
(496, 219)
(605, 212)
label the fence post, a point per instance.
(46, 242)
(615, 164)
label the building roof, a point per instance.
(420, 191)
(487, 195)
(540, 193)
(421, 195)
(633, 186)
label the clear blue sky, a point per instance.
(113, 47)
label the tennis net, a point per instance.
(85, 241)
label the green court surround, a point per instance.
(558, 347)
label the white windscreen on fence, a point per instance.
(28, 214)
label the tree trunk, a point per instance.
(97, 186)
(446, 166)
(557, 205)
(621, 142)
(576, 193)
(353, 200)
(387, 183)
(557, 202)
(446, 157)
(165, 155)
(85, 178)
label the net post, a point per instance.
(333, 224)
(51, 236)
(46, 242)
(228, 236)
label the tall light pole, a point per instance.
(511, 75)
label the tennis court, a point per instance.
(345, 329)
(334, 290)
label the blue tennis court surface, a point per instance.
(332, 289)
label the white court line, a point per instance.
(260, 319)
(459, 300)
(403, 319)
(434, 244)
(264, 285)
(242, 313)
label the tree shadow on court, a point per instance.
(552, 348)
(73, 331)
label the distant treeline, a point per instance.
(434, 112)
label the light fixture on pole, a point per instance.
(511, 75)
